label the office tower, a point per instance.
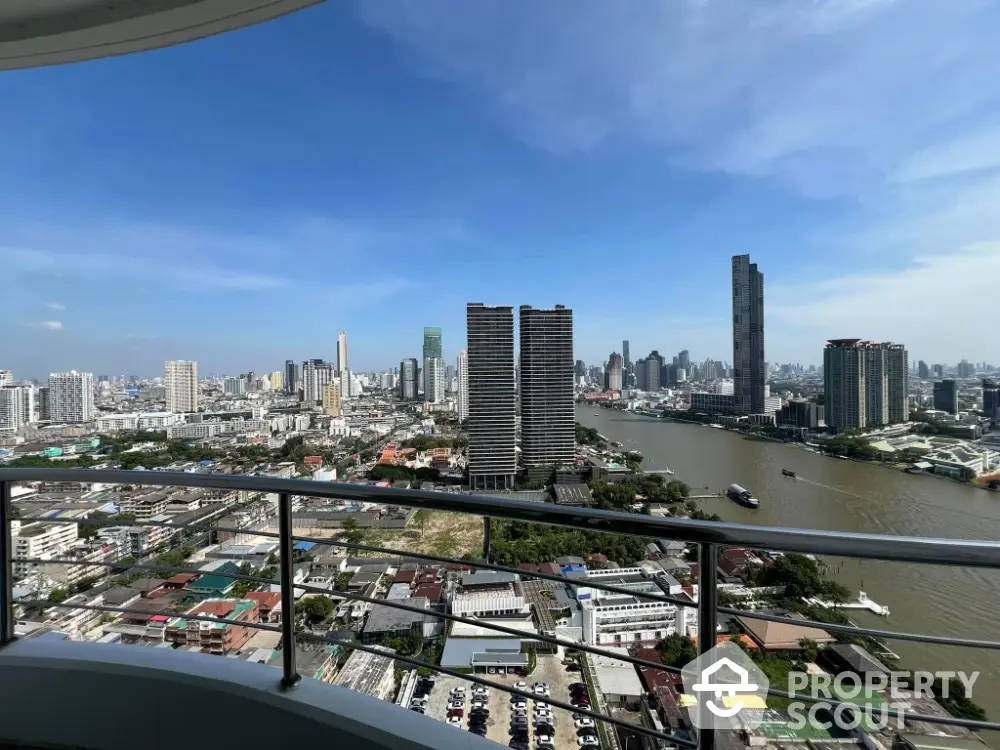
(937, 371)
(965, 369)
(347, 385)
(42, 404)
(277, 381)
(463, 385)
(180, 379)
(332, 404)
(866, 384)
(434, 367)
(991, 398)
(641, 383)
(492, 448)
(315, 375)
(408, 379)
(547, 423)
(293, 376)
(654, 376)
(625, 355)
(342, 363)
(614, 372)
(17, 406)
(580, 369)
(749, 373)
(923, 371)
(684, 361)
(946, 396)
(71, 397)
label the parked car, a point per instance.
(480, 730)
(573, 667)
(580, 700)
(577, 686)
(584, 723)
(454, 721)
(545, 739)
(545, 728)
(544, 746)
(459, 691)
(521, 685)
(456, 712)
(587, 739)
(417, 709)
(521, 705)
(515, 745)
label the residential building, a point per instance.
(145, 506)
(6, 378)
(653, 372)
(923, 371)
(547, 421)
(713, 403)
(216, 637)
(17, 406)
(749, 374)
(946, 396)
(965, 369)
(40, 540)
(408, 373)
(42, 403)
(180, 379)
(315, 375)
(277, 380)
(463, 385)
(85, 556)
(293, 376)
(234, 386)
(492, 450)
(332, 403)
(800, 413)
(617, 619)
(71, 397)
(153, 420)
(342, 363)
(614, 373)
(865, 384)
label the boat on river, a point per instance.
(742, 496)
(788, 473)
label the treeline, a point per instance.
(517, 542)
(623, 495)
(424, 443)
(382, 473)
(586, 435)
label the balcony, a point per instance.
(61, 693)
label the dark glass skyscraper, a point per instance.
(749, 374)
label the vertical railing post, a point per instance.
(6, 567)
(290, 674)
(487, 538)
(708, 618)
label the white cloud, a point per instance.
(55, 305)
(52, 325)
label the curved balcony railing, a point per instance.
(708, 536)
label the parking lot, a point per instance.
(548, 669)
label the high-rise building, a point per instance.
(71, 397)
(234, 386)
(293, 377)
(432, 342)
(6, 378)
(434, 380)
(654, 376)
(866, 384)
(923, 371)
(641, 382)
(408, 370)
(946, 396)
(547, 423)
(991, 398)
(492, 422)
(277, 380)
(42, 403)
(580, 369)
(749, 374)
(625, 354)
(17, 406)
(180, 379)
(463, 385)
(937, 371)
(684, 361)
(332, 404)
(342, 363)
(965, 369)
(613, 373)
(315, 375)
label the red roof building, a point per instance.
(433, 591)
(268, 604)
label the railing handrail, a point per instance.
(940, 551)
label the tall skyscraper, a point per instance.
(613, 374)
(492, 399)
(315, 375)
(991, 398)
(749, 374)
(408, 369)
(580, 368)
(180, 379)
(625, 354)
(653, 377)
(946, 396)
(865, 384)
(234, 386)
(547, 422)
(293, 377)
(17, 406)
(277, 380)
(434, 367)
(6, 378)
(332, 404)
(71, 397)
(342, 363)
(923, 371)
(463, 385)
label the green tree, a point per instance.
(676, 650)
(317, 608)
(810, 650)
(58, 595)
(421, 517)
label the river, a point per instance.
(848, 496)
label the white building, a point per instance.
(342, 363)
(487, 604)
(17, 406)
(180, 378)
(40, 540)
(434, 375)
(152, 420)
(234, 386)
(463, 385)
(315, 375)
(618, 620)
(71, 397)
(340, 427)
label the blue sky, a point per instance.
(374, 166)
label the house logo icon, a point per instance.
(724, 689)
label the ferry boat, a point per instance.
(742, 496)
(788, 473)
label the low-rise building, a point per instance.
(40, 541)
(216, 637)
(369, 674)
(611, 619)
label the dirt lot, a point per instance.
(444, 534)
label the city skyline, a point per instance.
(455, 165)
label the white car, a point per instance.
(479, 704)
(521, 685)
(542, 708)
(544, 738)
(543, 716)
(454, 721)
(458, 691)
(455, 705)
(520, 706)
(587, 739)
(583, 723)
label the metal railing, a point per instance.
(708, 536)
